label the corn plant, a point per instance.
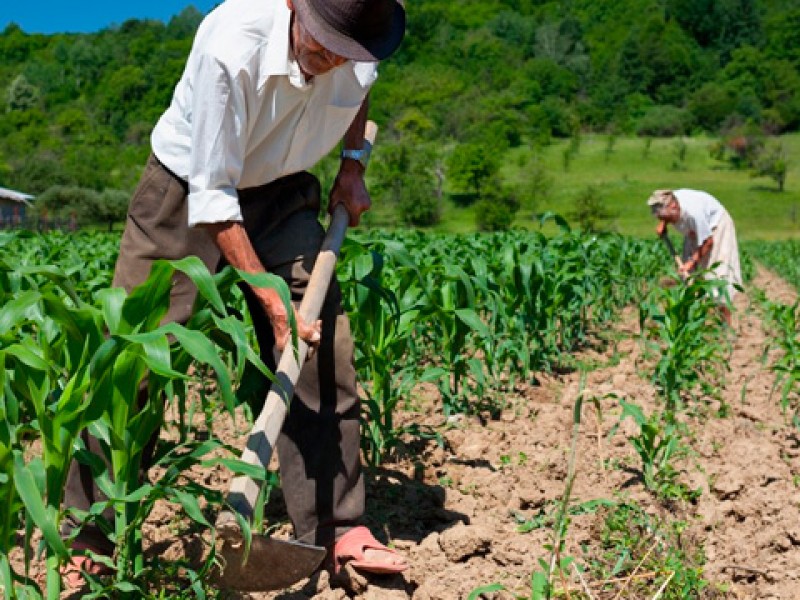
(659, 444)
(71, 366)
(784, 321)
(684, 329)
(383, 322)
(782, 257)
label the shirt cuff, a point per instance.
(214, 206)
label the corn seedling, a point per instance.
(784, 320)
(383, 324)
(685, 329)
(659, 444)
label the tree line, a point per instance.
(471, 80)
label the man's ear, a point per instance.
(290, 5)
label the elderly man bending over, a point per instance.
(709, 237)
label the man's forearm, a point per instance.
(701, 252)
(235, 245)
(354, 136)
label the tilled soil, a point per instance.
(455, 509)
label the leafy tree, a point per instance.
(720, 24)
(772, 162)
(419, 204)
(496, 209)
(84, 61)
(471, 166)
(111, 207)
(739, 147)
(536, 186)
(21, 95)
(664, 121)
(659, 59)
(184, 24)
(407, 176)
(590, 210)
(67, 201)
(711, 104)
(16, 46)
(35, 174)
(782, 30)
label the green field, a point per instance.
(626, 177)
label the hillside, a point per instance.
(507, 76)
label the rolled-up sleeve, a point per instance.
(219, 141)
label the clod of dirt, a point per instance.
(461, 542)
(728, 486)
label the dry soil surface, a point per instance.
(455, 509)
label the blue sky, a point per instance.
(84, 16)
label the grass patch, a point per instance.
(627, 175)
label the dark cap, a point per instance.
(363, 30)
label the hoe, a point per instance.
(270, 563)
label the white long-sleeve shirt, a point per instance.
(243, 114)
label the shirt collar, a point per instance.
(277, 57)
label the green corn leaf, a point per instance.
(238, 467)
(137, 495)
(127, 587)
(147, 303)
(539, 586)
(31, 495)
(111, 302)
(486, 589)
(156, 348)
(25, 353)
(233, 327)
(203, 350)
(634, 411)
(196, 270)
(17, 310)
(191, 506)
(269, 280)
(53, 274)
(470, 318)
(433, 374)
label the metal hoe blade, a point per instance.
(271, 564)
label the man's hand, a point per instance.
(276, 311)
(349, 189)
(661, 228)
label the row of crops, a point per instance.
(469, 314)
(784, 321)
(781, 257)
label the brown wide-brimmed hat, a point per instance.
(363, 30)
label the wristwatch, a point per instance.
(361, 156)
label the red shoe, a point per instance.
(72, 573)
(349, 549)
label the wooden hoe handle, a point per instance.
(244, 491)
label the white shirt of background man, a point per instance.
(243, 115)
(700, 213)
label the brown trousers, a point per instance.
(318, 449)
